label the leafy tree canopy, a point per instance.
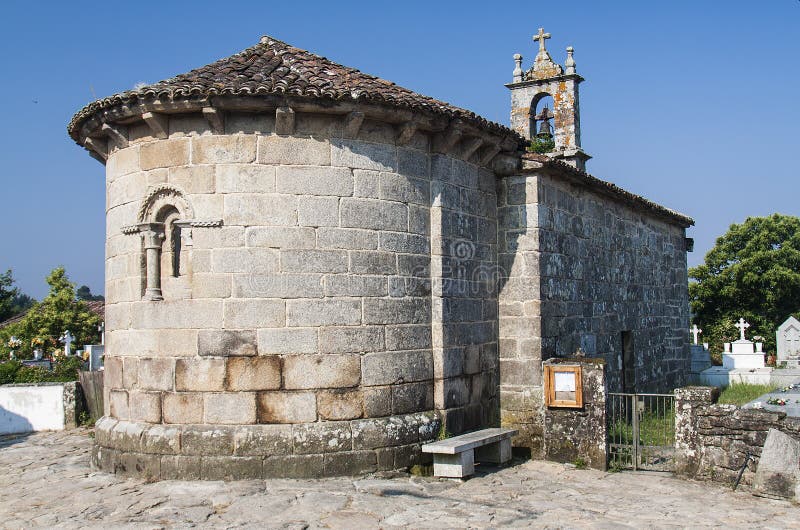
(753, 272)
(85, 293)
(59, 311)
(22, 302)
(7, 295)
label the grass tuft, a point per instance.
(742, 393)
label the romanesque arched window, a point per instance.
(165, 220)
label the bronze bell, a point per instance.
(544, 118)
(545, 129)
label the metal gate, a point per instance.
(641, 431)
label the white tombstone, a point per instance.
(743, 353)
(96, 352)
(787, 339)
(742, 362)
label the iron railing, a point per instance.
(641, 431)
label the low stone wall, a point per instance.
(712, 441)
(236, 452)
(39, 407)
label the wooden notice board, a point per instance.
(562, 386)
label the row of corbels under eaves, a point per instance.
(109, 130)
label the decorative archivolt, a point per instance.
(160, 197)
(167, 197)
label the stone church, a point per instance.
(310, 271)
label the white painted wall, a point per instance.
(31, 408)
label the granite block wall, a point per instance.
(321, 282)
(579, 269)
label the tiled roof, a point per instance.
(98, 307)
(610, 189)
(274, 67)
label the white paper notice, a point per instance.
(565, 381)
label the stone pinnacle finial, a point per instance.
(517, 67)
(570, 62)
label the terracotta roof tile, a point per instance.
(274, 67)
(98, 307)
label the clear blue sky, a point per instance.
(695, 105)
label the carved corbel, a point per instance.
(215, 119)
(489, 153)
(471, 146)
(117, 133)
(352, 123)
(158, 123)
(445, 141)
(406, 132)
(284, 120)
(98, 147)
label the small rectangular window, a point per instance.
(628, 363)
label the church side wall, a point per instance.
(580, 270)
(606, 268)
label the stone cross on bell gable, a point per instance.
(540, 37)
(742, 325)
(67, 339)
(695, 331)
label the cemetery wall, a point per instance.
(713, 440)
(580, 269)
(336, 292)
(39, 407)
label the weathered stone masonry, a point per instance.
(581, 269)
(311, 271)
(712, 440)
(325, 298)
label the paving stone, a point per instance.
(525, 494)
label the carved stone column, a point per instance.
(153, 236)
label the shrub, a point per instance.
(541, 144)
(8, 371)
(62, 372)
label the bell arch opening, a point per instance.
(541, 128)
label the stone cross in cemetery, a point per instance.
(742, 325)
(67, 339)
(695, 331)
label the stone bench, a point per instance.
(456, 456)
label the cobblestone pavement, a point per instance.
(46, 482)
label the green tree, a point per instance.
(85, 293)
(753, 272)
(7, 295)
(22, 302)
(59, 311)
